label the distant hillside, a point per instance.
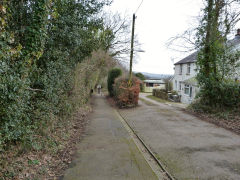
(156, 76)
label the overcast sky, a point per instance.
(157, 21)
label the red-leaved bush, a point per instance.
(126, 96)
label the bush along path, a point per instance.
(49, 51)
(52, 149)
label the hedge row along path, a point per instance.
(108, 151)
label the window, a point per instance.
(188, 68)
(149, 84)
(176, 84)
(190, 93)
(180, 86)
(186, 89)
(180, 69)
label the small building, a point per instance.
(150, 84)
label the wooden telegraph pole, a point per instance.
(131, 53)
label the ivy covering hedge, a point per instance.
(217, 59)
(112, 75)
(43, 44)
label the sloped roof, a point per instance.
(189, 59)
(193, 57)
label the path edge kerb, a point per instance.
(147, 148)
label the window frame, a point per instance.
(187, 87)
(190, 91)
(188, 68)
(181, 69)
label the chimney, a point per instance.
(238, 32)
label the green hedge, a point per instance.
(112, 75)
(225, 94)
(161, 93)
(42, 44)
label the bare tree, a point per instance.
(229, 16)
(118, 32)
(183, 43)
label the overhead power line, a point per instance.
(138, 7)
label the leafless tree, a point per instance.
(229, 16)
(119, 32)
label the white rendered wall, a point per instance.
(182, 77)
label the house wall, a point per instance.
(184, 76)
(186, 99)
(178, 79)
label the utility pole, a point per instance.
(131, 53)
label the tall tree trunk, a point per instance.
(208, 37)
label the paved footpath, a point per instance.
(107, 152)
(190, 149)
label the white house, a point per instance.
(184, 80)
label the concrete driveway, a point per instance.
(107, 152)
(188, 147)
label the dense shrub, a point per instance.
(217, 58)
(88, 74)
(161, 93)
(112, 75)
(225, 95)
(42, 44)
(126, 96)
